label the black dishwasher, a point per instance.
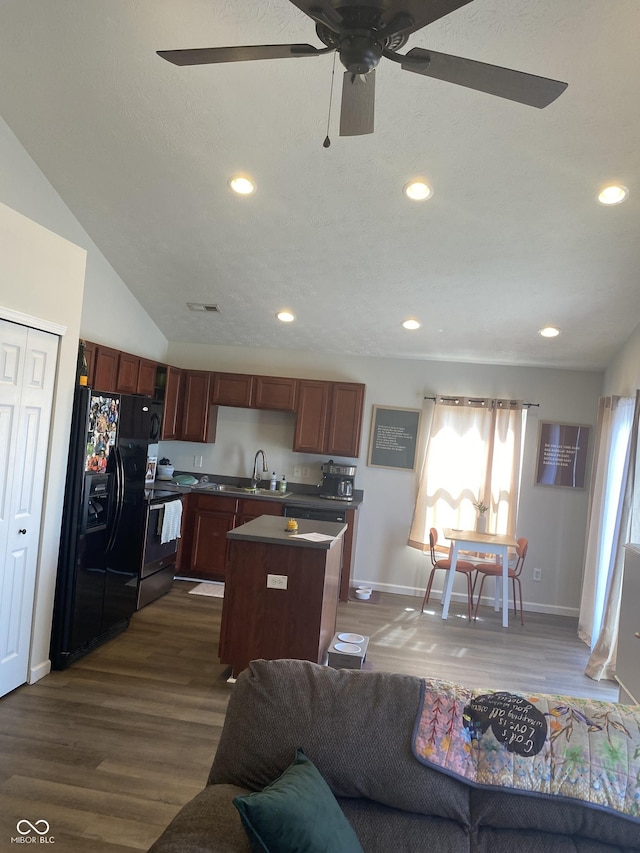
(315, 513)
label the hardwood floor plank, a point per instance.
(110, 749)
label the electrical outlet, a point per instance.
(277, 581)
(197, 461)
(305, 473)
(297, 471)
(537, 574)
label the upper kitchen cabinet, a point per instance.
(311, 415)
(146, 377)
(274, 392)
(170, 393)
(328, 417)
(232, 389)
(127, 376)
(199, 418)
(136, 375)
(105, 370)
(345, 419)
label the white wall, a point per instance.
(553, 519)
(42, 277)
(110, 313)
(51, 271)
(623, 374)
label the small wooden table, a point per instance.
(484, 543)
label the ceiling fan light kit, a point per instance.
(364, 34)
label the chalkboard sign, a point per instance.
(515, 722)
(394, 438)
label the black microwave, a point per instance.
(155, 422)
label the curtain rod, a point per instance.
(479, 400)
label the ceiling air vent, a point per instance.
(200, 306)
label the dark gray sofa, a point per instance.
(357, 728)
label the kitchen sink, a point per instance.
(239, 490)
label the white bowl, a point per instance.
(363, 592)
(165, 472)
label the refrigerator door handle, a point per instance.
(119, 497)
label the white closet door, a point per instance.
(27, 376)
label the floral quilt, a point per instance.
(557, 746)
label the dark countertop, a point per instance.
(297, 495)
(271, 529)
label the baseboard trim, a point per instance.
(39, 671)
(436, 594)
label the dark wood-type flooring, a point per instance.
(110, 749)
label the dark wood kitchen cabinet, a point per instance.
(250, 509)
(232, 389)
(205, 547)
(146, 377)
(274, 392)
(199, 418)
(105, 371)
(329, 417)
(311, 415)
(127, 377)
(345, 419)
(172, 414)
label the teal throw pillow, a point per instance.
(297, 812)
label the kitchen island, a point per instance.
(281, 591)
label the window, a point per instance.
(473, 454)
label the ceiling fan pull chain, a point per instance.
(327, 141)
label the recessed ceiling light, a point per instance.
(417, 191)
(549, 332)
(285, 316)
(242, 185)
(613, 194)
(412, 324)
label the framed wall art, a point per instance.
(394, 438)
(562, 455)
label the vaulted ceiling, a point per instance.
(512, 239)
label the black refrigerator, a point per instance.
(103, 523)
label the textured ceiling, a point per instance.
(141, 151)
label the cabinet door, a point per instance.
(274, 392)
(213, 517)
(345, 419)
(171, 419)
(196, 405)
(311, 416)
(105, 374)
(232, 389)
(128, 365)
(146, 377)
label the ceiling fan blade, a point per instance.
(208, 55)
(358, 103)
(423, 13)
(492, 79)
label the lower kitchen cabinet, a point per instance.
(208, 520)
(248, 510)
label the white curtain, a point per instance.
(473, 454)
(608, 529)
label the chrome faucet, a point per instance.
(255, 479)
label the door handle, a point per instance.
(22, 530)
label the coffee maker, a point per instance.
(337, 481)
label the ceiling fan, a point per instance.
(364, 31)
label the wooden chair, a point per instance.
(461, 566)
(495, 570)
